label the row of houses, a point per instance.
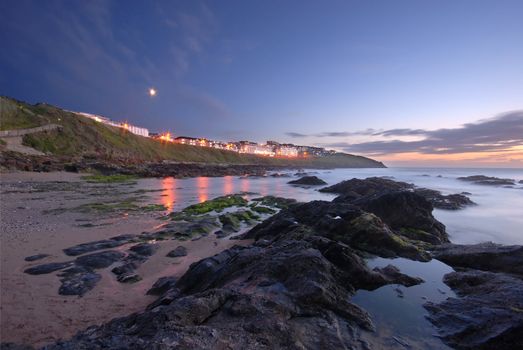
(270, 148)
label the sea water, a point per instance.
(397, 311)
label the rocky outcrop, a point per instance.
(448, 202)
(487, 180)
(489, 311)
(407, 212)
(288, 294)
(485, 256)
(487, 315)
(354, 189)
(346, 223)
(308, 181)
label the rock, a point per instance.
(36, 257)
(129, 278)
(308, 181)
(290, 294)
(145, 249)
(162, 285)
(98, 245)
(487, 315)
(77, 281)
(393, 275)
(521, 182)
(356, 188)
(177, 252)
(99, 260)
(487, 180)
(48, 268)
(407, 211)
(341, 222)
(448, 202)
(483, 256)
(275, 202)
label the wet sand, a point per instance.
(31, 310)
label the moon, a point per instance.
(152, 92)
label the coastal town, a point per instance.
(268, 149)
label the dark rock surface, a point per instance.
(145, 249)
(162, 285)
(290, 294)
(407, 211)
(77, 281)
(485, 256)
(177, 252)
(308, 181)
(99, 260)
(487, 315)
(98, 245)
(354, 189)
(366, 224)
(36, 257)
(487, 180)
(48, 268)
(448, 202)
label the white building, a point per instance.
(131, 128)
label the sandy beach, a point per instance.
(32, 311)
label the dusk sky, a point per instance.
(437, 83)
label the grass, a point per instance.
(109, 178)
(81, 136)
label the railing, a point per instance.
(21, 132)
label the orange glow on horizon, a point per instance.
(512, 156)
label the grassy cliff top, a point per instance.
(84, 137)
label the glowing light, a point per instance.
(169, 188)
(152, 92)
(203, 188)
(98, 119)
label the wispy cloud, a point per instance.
(501, 133)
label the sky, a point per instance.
(410, 83)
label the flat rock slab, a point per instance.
(48, 268)
(177, 252)
(36, 257)
(484, 256)
(100, 260)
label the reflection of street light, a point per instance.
(152, 92)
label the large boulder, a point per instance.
(341, 222)
(308, 181)
(405, 211)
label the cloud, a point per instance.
(501, 133)
(296, 134)
(334, 133)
